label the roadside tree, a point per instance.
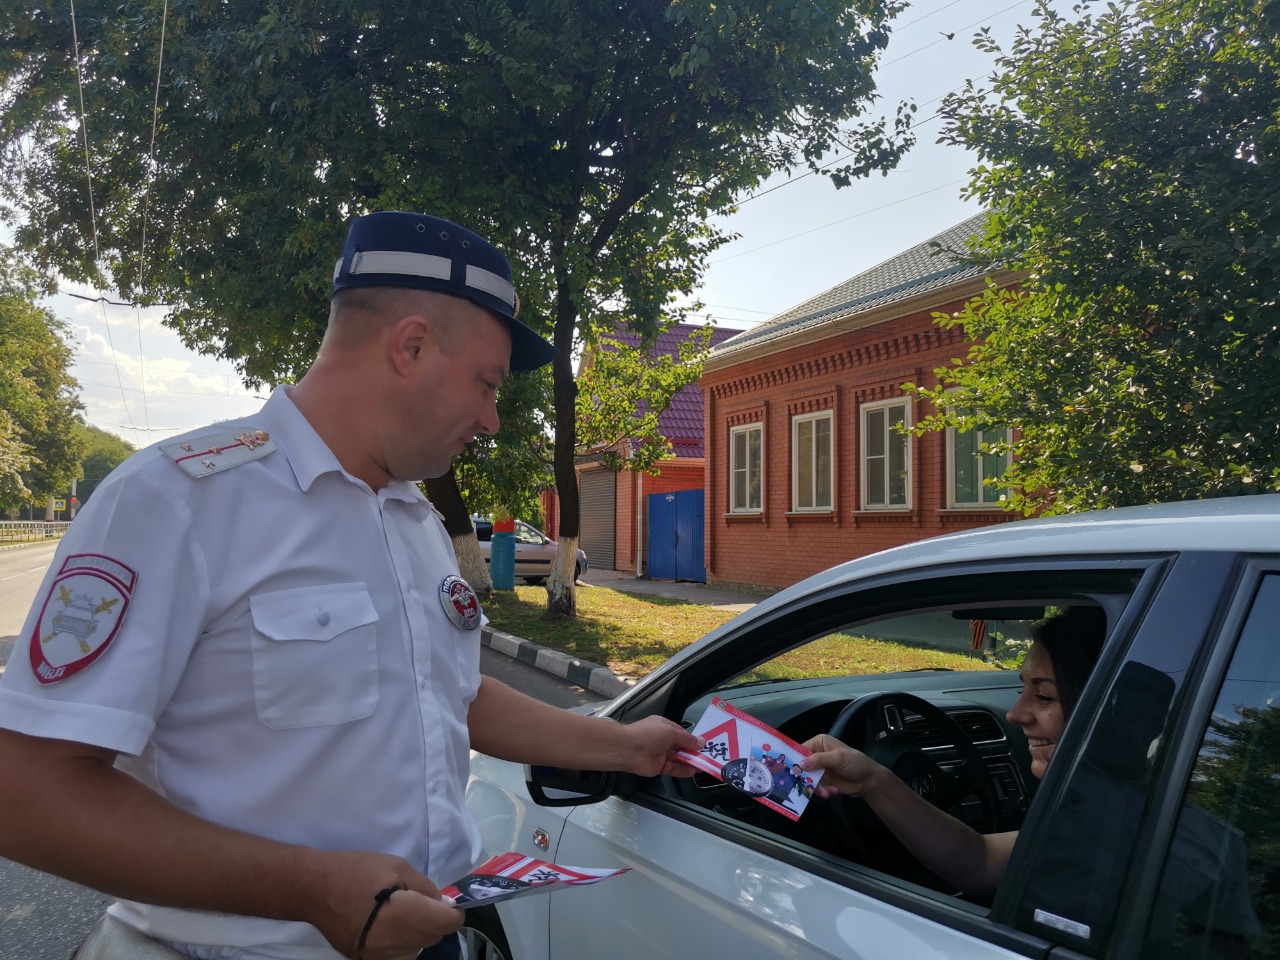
(103, 452)
(1131, 163)
(592, 140)
(39, 409)
(624, 389)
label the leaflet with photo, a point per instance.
(754, 758)
(513, 874)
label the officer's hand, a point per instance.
(653, 743)
(408, 922)
(341, 896)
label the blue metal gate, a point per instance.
(676, 546)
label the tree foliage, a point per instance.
(103, 452)
(1129, 158)
(625, 389)
(590, 139)
(39, 409)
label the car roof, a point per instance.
(1236, 524)
(1232, 524)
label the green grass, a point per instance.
(633, 634)
(629, 634)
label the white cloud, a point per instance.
(149, 396)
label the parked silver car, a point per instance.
(1153, 834)
(535, 552)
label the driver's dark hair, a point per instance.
(1073, 640)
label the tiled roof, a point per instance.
(918, 270)
(681, 423)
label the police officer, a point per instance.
(245, 699)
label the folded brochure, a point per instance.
(513, 874)
(753, 757)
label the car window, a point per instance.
(1219, 893)
(987, 638)
(527, 534)
(955, 643)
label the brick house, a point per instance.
(612, 505)
(804, 467)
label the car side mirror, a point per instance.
(562, 787)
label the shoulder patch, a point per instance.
(219, 450)
(80, 616)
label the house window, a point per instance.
(746, 468)
(970, 467)
(886, 455)
(811, 462)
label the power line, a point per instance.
(146, 197)
(191, 373)
(953, 33)
(725, 306)
(114, 303)
(926, 16)
(917, 124)
(88, 170)
(863, 213)
(173, 393)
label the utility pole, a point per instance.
(73, 502)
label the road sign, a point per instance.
(59, 505)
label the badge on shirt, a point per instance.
(461, 605)
(81, 615)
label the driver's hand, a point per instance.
(845, 770)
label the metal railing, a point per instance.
(29, 531)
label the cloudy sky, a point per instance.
(797, 237)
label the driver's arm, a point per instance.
(970, 861)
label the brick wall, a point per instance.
(780, 546)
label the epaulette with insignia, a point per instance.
(219, 450)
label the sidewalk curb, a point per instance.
(28, 543)
(584, 673)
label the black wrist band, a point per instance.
(379, 900)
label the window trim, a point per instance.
(952, 502)
(829, 416)
(888, 592)
(864, 470)
(746, 428)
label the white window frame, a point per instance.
(796, 423)
(881, 465)
(953, 462)
(734, 467)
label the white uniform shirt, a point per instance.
(284, 664)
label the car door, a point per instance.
(704, 883)
(533, 559)
(1174, 785)
(695, 893)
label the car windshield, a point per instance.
(976, 639)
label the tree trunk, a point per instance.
(561, 597)
(445, 497)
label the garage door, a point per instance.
(597, 492)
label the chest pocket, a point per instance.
(315, 655)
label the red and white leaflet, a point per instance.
(754, 758)
(513, 874)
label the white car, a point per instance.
(1155, 833)
(535, 552)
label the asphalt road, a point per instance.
(45, 918)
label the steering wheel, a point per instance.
(875, 724)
